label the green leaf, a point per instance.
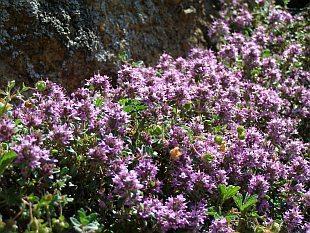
(74, 221)
(71, 150)
(238, 200)
(123, 56)
(240, 129)
(157, 130)
(85, 223)
(187, 106)
(230, 217)
(99, 102)
(11, 84)
(266, 53)
(9, 196)
(6, 160)
(212, 212)
(254, 214)
(83, 217)
(32, 198)
(132, 105)
(137, 64)
(249, 202)
(245, 204)
(286, 2)
(24, 88)
(92, 227)
(92, 217)
(228, 192)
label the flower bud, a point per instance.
(241, 136)
(54, 151)
(207, 157)
(218, 139)
(240, 129)
(40, 86)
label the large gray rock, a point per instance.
(69, 40)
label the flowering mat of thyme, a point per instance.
(214, 142)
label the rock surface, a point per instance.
(68, 41)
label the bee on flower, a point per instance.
(175, 153)
(28, 104)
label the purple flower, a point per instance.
(218, 29)
(293, 219)
(292, 53)
(306, 198)
(306, 227)
(236, 39)
(86, 111)
(178, 135)
(99, 82)
(150, 208)
(260, 35)
(299, 169)
(220, 226)
(114, 119)
(280, 129)
(278, 16)
(229, 53)
(258, 185)
(30, 117)
(243, 18)
(61, 134)
(6, 129)
(174, 214)
(30, 152)
(251, 55)
(127, 186)
(109, 147)
(146, 172)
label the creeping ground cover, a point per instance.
(215, 142)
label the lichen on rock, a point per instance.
(68, 41)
